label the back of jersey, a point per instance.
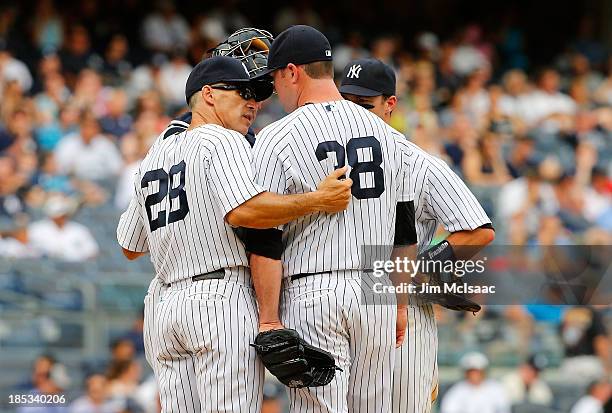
(185, 186)
(294, 154)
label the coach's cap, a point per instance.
(474, 361)
(298, 45)
(368, 77)
(220, 69)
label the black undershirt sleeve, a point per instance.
(405, 226)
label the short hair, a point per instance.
(193, 100)
(320, 70)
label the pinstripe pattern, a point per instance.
(327, 308)
(285, 162)
(200, 364)
(218, 178)
(440, 198)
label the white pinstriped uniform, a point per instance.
(440, 198)
(291, 156)
(184, 187)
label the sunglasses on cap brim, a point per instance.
(247, 92)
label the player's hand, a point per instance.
(401, 325)
(271, 325)
(334, 193)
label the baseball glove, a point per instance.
(294, 362)
(445, 298)
(440, 284)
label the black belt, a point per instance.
(306, 274)
(213, 275)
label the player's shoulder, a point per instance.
(281, 128)
(211, 138)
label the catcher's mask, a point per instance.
(250, 46)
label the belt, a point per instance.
(213, 275)
(306, 274)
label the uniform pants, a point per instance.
(327, 310)
(415, 379)
(197, 337)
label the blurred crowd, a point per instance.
(83, 106)
(82, 98)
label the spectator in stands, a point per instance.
(476, 393)
(88, 155)
(124, 378)
(48, 135)
(588, 354)
(14, 241)
(598, 394)
(469, 56)
(174, 72)
(131, 160)
(58, 237)
(77, 53)
(524, 202)
(90, 93)
(476, 102)
(116, 68)
(96, 399)
(525, 386)
(484, 165)
(54, 96)
(165, 30)
(117, 121)
(49, 378)
(515, 88)
(122, 349)
(13, 69)
(547, 108)
(11, 201)
(521, 156)
(47, 27)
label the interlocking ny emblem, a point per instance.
(353, 72)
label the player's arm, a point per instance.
(266, 246)
(451, 203)
(268, 209)
(131, 232)
(247, 204)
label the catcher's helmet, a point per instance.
(250, 46)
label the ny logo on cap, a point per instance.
(328, 53)
(353, 72)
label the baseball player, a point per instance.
(320, 256)
(191, 188)
(250, 46)
(371, 84)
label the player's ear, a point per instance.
(390, 104)
(207, 94)
(293, 72)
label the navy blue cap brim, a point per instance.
(359, 91)
(265, 74)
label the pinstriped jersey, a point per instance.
(184, 187)
(295, 153)
(440, 197)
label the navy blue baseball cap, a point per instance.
(368, 77)
(299, 45)
(224, 69)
